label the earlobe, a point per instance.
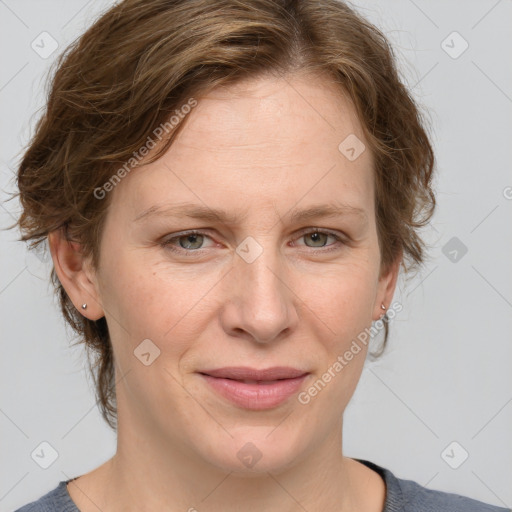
(75, 275)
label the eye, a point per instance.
(319, 239)
(185, 242)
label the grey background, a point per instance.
(446, 375)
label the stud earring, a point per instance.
(382, 306)
(84, 306)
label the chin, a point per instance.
(252, 450)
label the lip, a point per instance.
(273, 386)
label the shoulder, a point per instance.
(421, 499)
(409, 496)
(56, 500)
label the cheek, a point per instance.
(342, 299)
(149, 300)
(343, 311)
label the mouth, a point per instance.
(253, 389)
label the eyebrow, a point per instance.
(201, 212)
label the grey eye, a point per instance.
(191, 241)
(317, 238)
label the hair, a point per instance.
(142, 60)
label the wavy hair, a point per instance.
(141, 60)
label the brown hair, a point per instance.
(143, 59)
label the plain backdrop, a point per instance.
(437, 407)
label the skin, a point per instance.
(258, 148)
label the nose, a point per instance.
(260, 304)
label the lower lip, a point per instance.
(255, 396)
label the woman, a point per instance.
(229, 190)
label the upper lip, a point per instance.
(246, 373)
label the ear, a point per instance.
(75, 274)
(386, 287)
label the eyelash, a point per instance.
(167, 244)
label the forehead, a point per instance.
(261, 141)
(272, 111)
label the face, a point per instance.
(258, 285)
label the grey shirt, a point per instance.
(401, 496)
